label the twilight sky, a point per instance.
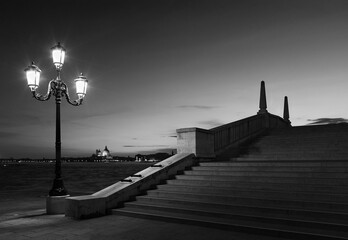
(156, 66)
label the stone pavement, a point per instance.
(39, 226)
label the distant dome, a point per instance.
(106, 152)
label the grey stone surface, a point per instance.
(55, 204)
(99, 203)
(196, 140)
(58, 227)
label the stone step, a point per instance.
(264, 186)
(295, 152)
(325, 139)
(301, 147)
(331, 153)
(264, 143)
(252, 201)
(289, 158)
(251, 224)
(272, 169)
(342, 182)
(327, 175)
(309, 163)
(298, 141)
(294, 134)
(309, 135)
(244, 209)
(279, 150)
(316, 130)
(282, 194)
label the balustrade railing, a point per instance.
(230, 133)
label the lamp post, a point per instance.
(58, 89)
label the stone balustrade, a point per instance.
(101, 202)
(207, 144)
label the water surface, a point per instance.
(25, 186)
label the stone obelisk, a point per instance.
(263, 103)
(286, 110)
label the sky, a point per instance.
(157, 66)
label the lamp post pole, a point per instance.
(58, 185)
(58, 89)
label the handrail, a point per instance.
(230, 133)
(277, 122)
(101, 202)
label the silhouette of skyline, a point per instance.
(156, 66)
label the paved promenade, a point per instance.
(39, 226)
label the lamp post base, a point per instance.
(55, 204)
(58, 188)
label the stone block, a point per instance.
(101, 202)
(82, 207)
(55, 204)
(196, 140)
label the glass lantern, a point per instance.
(81, 86)
(33, 76)
(58, 55)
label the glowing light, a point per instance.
(33, 76)
(58, 55)
(81, 86)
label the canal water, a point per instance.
(24, 186)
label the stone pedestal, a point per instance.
(55, 204)
(196, 140)
(82, 207)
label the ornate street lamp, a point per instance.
(59, 89)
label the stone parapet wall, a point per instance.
(207, 144)
(101, 203)
(197, 141)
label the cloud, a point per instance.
(211, 123)
(327, 121)
(201, 107)
(169, 134)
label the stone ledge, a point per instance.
(55, 204)
(196, 140)
(85, 206)
(99, 203)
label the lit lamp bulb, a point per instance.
(33, 76)
(58, 55)
(81, 86)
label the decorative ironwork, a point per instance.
(59, 90)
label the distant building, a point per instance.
(151, 157)
(140, 158)
(105, 154)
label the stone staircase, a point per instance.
(291, 184)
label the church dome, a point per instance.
(106, 152)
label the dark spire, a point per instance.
(286, 110)
(263, 103)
